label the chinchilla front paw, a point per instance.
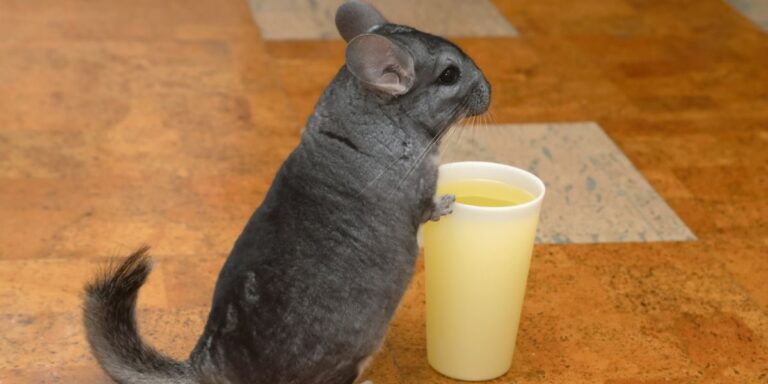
(443, 206)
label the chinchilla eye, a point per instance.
(449, 76)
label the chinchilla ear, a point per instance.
(381, 64)
(355, 17)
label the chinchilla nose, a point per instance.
(480, 97)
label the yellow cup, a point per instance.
(476, 262)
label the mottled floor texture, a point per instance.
(163, 122)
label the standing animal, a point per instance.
(311, 284)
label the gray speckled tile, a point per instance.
(594, 193)
(755, 10)
(314, 19)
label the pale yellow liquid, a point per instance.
(485, 193)
(476, 271)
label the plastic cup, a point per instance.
(476, 263)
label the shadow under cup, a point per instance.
(476, 263)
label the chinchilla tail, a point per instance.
(110, 324)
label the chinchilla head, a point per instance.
(428, 78)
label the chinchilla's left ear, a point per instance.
(381, 64)
(354, 18)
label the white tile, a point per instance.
(594, 193)
(314, 19)
(755, 10)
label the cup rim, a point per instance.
(512, 208)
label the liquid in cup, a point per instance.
(476, 262)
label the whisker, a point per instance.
(461, 133)
(447, 146)
(391, 164)
(421, 157)
(455, 112)
(451, 144)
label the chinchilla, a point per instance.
(311, 284)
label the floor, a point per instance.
(163, 122)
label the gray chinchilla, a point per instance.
(311, 284)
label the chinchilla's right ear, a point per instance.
(354, 18)
(381, 64)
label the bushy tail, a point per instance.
(110, 324)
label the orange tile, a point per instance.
(55, 340)
(58, 285)
(382, 369)
(90, 373)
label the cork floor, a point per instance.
(162, 122)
